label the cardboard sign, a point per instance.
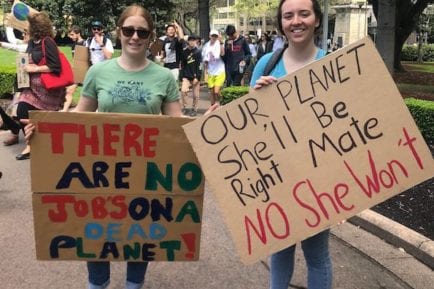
(156, 47)
(117, 187)
(80, 64)
(324, 143)
(18, 16)
(23, 79)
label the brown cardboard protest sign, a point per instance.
(324, 143)
(23, 79)
(80, 64)
(18, 16)
(115, 187)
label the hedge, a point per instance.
(421, 110)
(423, 114)
(409, 53)
(233, 92)
(7, 80)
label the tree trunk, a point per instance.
(386, 40)
(419, 48)
(204, 27)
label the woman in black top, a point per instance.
(37, 97)
(265, 45)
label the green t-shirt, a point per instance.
(118, 90)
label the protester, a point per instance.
(249, 69)
(172, 48)
(100, 46)
(14, 43)
(153, 90)
(299, 21)
(75, 35)
(191, 75)
(37, 97)
(237, 56)
(278, 41)
(265, 45)
(214, 66)
(8, 123)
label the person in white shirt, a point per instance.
(100, 46)
(212, 53)
(14, 43)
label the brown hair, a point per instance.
(136, 10)
(40, 26)
(316, 9)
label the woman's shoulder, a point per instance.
(156, 68)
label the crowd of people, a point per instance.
(233, 61)
(227, 59)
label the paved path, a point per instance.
(360, 259)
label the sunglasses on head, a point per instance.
(141, 33)
(96, 28)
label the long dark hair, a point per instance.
(316, 9)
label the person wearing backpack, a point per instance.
(299, 21)
(100, 46)
(236, 56)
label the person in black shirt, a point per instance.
(172, 47)
(191, 74)
(237, 56)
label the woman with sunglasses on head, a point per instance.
(299, 21)
(151, 89)
(100, 46)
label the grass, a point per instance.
(416, 88)
(427, 67)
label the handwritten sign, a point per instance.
(322, 144)
(23, 79)
(18, 16)
(115, 187)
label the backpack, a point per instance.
(275, 57)
(89, 40)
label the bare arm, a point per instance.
(86, 103)
(172, 109)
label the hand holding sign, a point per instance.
(318, 146)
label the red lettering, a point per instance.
(81, 208)
(98, 208)
(340, 196)
(60, 201)
(335, 199)
(110, 137)
(91, 141)
(132, 133)
(119, 202)
(305, 205)
(149, 143)
(260, 232)
(409, 143)
(377, 178)
(283, 217)
(57, 130)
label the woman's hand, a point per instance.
(31, 68)
(29, 129)
(212, 108)
(264, 81)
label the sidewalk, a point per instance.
(361, 260)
